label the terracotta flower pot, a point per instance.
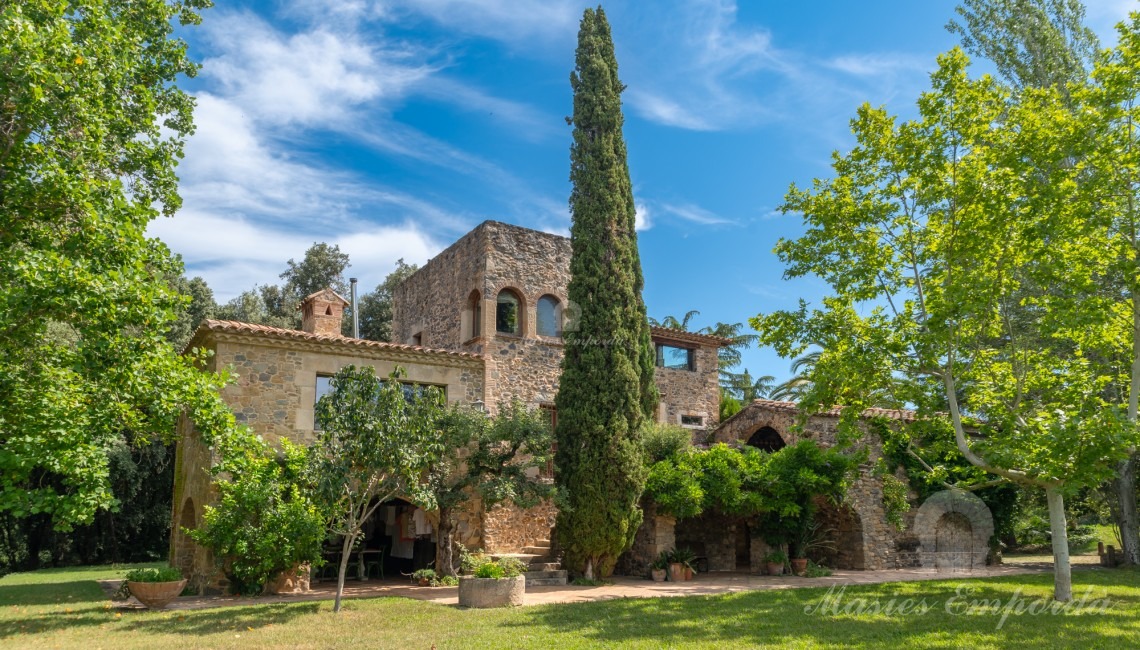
(677, 572)
(658, 575)
(425, 582)
(799, 565)
(293, 581)
(156, 595)
(688, 573)
(775, 569)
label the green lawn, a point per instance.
(66, 609)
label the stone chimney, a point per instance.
(322, 312)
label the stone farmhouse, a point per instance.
(483, 322)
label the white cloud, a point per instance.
(877, 65)
(642, 217)
(512, 21)
(312, 78)
(234, 253)
(695, 214)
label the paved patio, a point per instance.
(704, 584)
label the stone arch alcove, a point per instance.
(954, 529)
(766, 439)
(184, 549)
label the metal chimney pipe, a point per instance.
(355, 312)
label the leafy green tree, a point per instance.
(376, 306)
(92, 126)
(942, 221)
(375, 443)
(747, 389)
(497, 459)
(674, 323)
(200, 307)
(799, 383)
(323, 266)
(606, 389)
(1045, 44)
(1033, 43)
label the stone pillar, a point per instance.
(656, 534)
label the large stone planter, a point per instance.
(156, 595)
(293, 581)
(491, 592)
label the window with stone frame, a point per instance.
(412, 390)
(676, 358)
(323, 387)
(549, 316)
(692, 420)
(508, 313)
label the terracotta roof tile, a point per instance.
(791, 407)
(691, 337)
(298, 335)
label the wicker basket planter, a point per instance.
(156, 595)
(491, 592)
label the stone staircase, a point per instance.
(542, 568)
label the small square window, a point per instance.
(676, 358)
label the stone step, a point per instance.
(537, 550)
(525, 558)
(546, 578)
(542, 543)
(544, 566)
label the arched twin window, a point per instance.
(549, 313)
(508, 313)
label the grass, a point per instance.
(65, 608)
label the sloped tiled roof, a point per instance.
(690, 337)
(281, 333)
(903, 415)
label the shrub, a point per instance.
(776, 557)
(481, 565)
(264, 522)
(661, 441)
(816, 570)
(163, 574)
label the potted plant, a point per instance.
(491, 582)
(425, 577)
(155, 588)
(811, 536)
(659, 567)
(681, 563)
(775, 562)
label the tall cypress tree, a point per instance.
(607, 387)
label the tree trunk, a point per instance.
(445, 547)
(345, 556)
(1062, 572)
(1126, 517)
(589, 571)
(1127, 520)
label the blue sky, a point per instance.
(393, 127)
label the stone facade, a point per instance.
(867, 540)
(445, 324)
(274, 392)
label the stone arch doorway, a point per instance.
(766, 439)
(842, 528)
(954, 528)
